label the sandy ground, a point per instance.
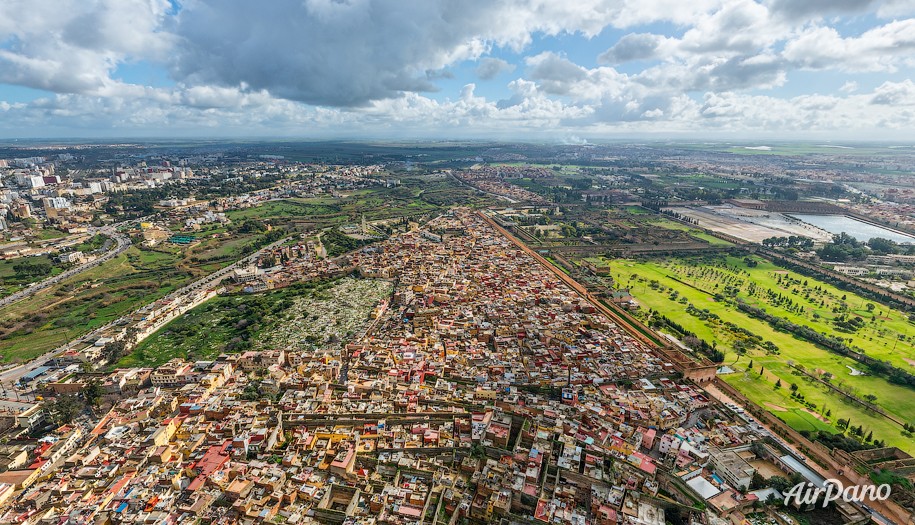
(767, 469)
(777, 408)
(818, 416)
(719, 223)
(751, 225)
(776, 221)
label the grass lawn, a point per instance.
(636, 210)
(86, 301)
(802, 420)
(284, 209)
(654, 285)
(711, 239)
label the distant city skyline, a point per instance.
(508, 70)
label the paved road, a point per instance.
(216, 277)
(12, 375)
(123, 242)
(877, 514)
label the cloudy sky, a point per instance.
(514, 69)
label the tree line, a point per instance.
(831, 343)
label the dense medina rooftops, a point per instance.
(484, 388)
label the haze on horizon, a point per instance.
(513, 69)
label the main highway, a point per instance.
(12, 375)
(123, 242)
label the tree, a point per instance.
(64, 409)
(93, 392)
(30, 268)
(268, 261)
(883, 246)
(114, 350)
(780, 483)
(778, 384)
(794, 387)
(757, 481)
(252, 226)
(870, 307)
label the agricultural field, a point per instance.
(307, 315)
(699, 294)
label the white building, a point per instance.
(732, 468)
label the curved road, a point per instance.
(11, 375)
(123, 242)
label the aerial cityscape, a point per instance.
(523, 262)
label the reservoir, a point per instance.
(861, 231)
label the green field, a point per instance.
(11, 282)
(102, 294)
(307, 315)
(86, 301)
(697, 281)
(697, 233)
(141, 275)
(415, 196)
(45, 234)
(284, 209)
(637, 210)
(696, 180)
(91, 244)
